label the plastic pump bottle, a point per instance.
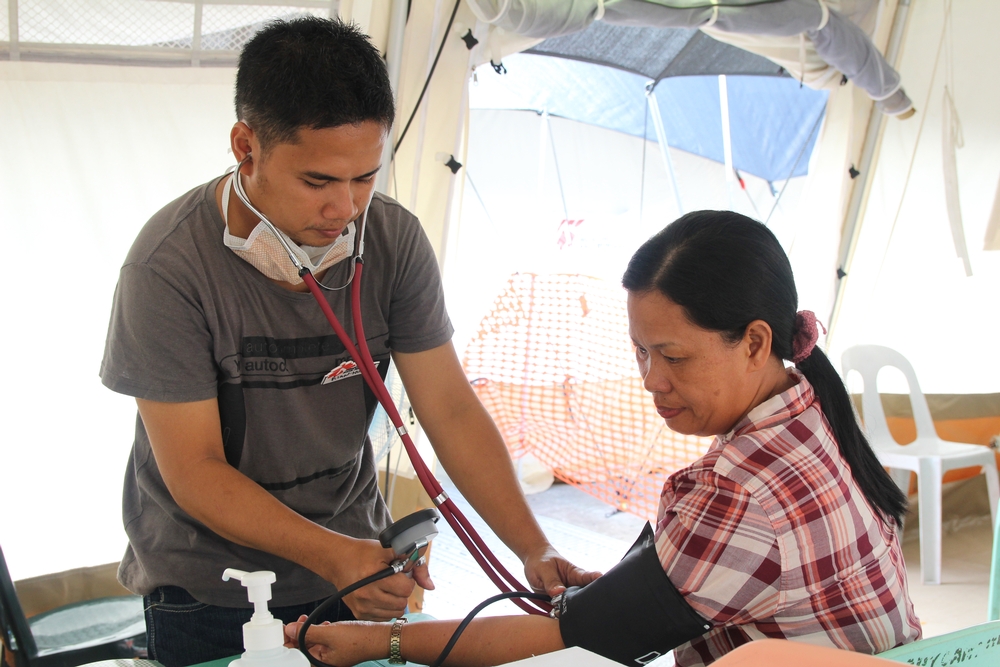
(263, 636)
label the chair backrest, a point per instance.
(868, 360)
(978, 646)
(17, 637)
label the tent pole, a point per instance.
(15, 39)
(727, 140)
(859, 192)
(196, 35)
(661, 139)
(394, 63)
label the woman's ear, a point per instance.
(758, 339)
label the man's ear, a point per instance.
(243, 142)
(758, 339)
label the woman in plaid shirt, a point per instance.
(786, 528)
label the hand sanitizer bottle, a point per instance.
(263, 636)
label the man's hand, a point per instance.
(384, 599)
(548, 572)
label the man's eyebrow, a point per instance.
(315, 175)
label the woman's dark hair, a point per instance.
(726, 271)
(311, 72)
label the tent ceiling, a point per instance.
(656, 53)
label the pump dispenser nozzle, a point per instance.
(263, 636)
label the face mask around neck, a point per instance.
(264, 251)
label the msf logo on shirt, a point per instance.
(342, 371)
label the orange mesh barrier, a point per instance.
(554, 366)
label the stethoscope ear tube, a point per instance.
(488, 561)
(242, 195)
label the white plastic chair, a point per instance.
(929, 456)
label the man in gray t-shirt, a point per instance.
(249, 451)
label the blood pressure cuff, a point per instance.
(633, 613)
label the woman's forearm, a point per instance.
(487, 641)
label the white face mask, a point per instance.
(264, 251)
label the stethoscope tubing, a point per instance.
(449, 506)
(468, 535)
(482, 554)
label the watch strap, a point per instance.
(395, 657)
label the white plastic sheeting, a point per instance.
(89, 154)
(906, 288)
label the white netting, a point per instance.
(555, 368)
(228, 27)
(156, 28)
(106, 22)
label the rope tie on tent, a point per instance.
(824, 18)
(477, 10)
(916, 145)
(802, 59)
(794, 167)
(715, 17)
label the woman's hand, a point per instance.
(342, 644)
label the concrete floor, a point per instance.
(591, 535)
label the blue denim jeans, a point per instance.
(182, 631)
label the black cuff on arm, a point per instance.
(632, 614)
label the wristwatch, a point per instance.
(395, 657)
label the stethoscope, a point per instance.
(497, 573)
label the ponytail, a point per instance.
(887, 499)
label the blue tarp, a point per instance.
(774, 121)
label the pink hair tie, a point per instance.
(805, 335)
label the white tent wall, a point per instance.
(421, 181)
(820, 209)
(907, 289)
(89, 153)
(824, 204)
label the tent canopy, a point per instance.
(774, 121)
(656, 53)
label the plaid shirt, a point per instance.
(768, 535)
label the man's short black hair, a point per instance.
(310, 72)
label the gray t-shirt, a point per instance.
(192, 321)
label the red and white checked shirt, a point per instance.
(768, 535)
